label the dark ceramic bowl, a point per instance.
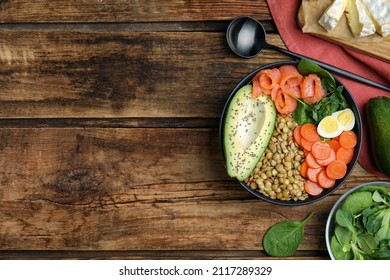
(357, 129)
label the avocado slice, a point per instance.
(248, 127)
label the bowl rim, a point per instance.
(336, 206)
(358, 128)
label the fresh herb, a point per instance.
(283, 238)
(334, 101)
(362, 226)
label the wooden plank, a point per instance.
(65, 74)
(119, 10)
(155, 255)
(133, 189)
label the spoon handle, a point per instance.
(333, 69)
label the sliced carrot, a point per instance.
(297, 135)
(334, 144)
(321, 150)
(312, 173)
(312, 188)
(311, 161)
(309, 132)
(324, 181)
(336, 169)
(306, 145)
(303, 169)
(345, 154)
(327, 161)
(347, 139)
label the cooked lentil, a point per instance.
(277, 174)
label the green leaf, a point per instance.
(381, 255)
(283, 238)
(303, 113)
(337, 250)
(345, 219)
(357, 202)
(381, 189)
(367, 243)
(343, 234)
(370, 221)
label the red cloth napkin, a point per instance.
(285, 14)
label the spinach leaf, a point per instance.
(367, 243)
(345, 219)
(381, 255)
(338, 251)
(370, 221)
(283, 238)
(357, 202)
(303, 113)
(343, 235)
(381, 189)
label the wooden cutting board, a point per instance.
(311, 10)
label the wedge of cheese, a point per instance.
(359, 19)
(380, 14)
(331, 17)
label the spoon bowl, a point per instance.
(246, 37)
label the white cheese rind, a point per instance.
(358, 19)
(380, 13)
(331, 17)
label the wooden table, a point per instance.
(109, 133)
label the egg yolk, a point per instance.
(329, 124)
(345, 117)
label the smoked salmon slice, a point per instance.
(265, 81)
(311, 89)
(290, 80)
(284, 103)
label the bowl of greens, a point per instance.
(290, 133)
(358, 226)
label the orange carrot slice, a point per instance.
(324, 181)
(303, 169)
(297, 135)
(306, 145)
(348, 139)
(345, 154)
(336, 169)
(321, 150)
(312, 188)
(309, 132)
(334, 144)
(311, 161)
(327, 161)
(312, 173)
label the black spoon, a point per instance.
(246, 38)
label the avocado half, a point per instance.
(248, 127)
